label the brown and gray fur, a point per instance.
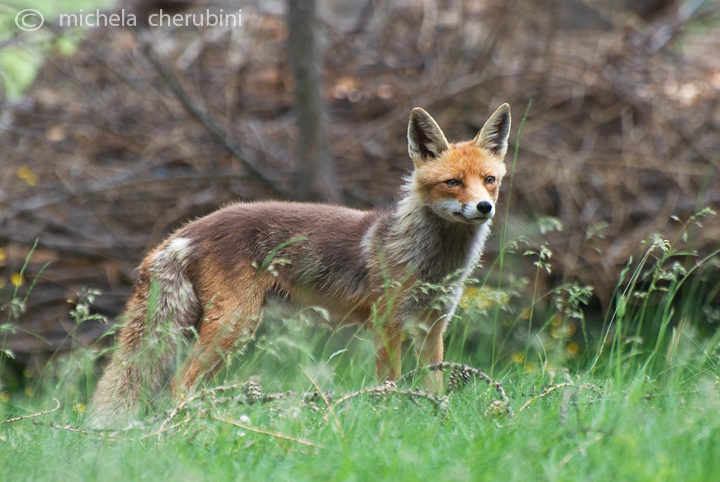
(211, 277)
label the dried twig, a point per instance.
(580, 449)
(25, 417)
(460, 375)
(211, 393)
(548, 390)
(545, 392)
(326, 399)
(389, 388)
(179, 408)
(166, 429)
(266, 432)
(205, 120)
(97, 435)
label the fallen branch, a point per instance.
(266, 432)
(548, 390)
(180, 407)
(166, 429)
(326, 399)
(580, 449)
(389, 388)
(96, 435)
(25, 417)
(459, 376)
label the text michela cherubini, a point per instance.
(205, 18)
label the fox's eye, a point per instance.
(453, 182)
(490, 180)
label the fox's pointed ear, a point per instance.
(494, 134)
(426, 140)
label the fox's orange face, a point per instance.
(459, 182)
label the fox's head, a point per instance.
(459, 182)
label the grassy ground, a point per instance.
(640, 430)
(639, 401)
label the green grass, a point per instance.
(640, 401)
(623, 434)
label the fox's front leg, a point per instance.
(388, 345)
(429, 350)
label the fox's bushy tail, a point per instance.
(157, 319)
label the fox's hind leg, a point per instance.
(157, 319)
(227, 324)
(388, 348)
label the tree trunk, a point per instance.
(315, 180)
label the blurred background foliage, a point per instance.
(112, 137)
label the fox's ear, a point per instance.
(494, 134)
(426, 140)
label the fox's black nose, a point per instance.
(484, 207)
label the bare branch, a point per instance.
(144, 39)
(39, 414)
(267, 432)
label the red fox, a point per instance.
(212, 275)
